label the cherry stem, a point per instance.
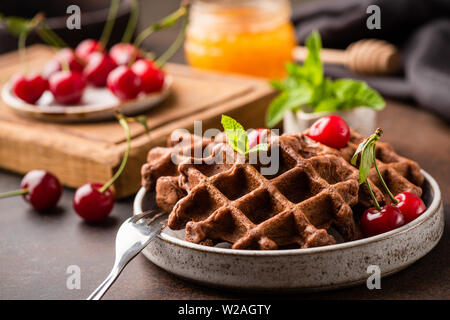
(29, 26)
(175, 45)
(13, 193)
(22, 50)
(391, 196)
(123, 122)
(377, 205)
(50, 37)
(394, 201)
(110, 22)
(132, 22)
(166, 22)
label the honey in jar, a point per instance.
(252, 37)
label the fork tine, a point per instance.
(144, 214)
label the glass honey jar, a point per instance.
(252, 37)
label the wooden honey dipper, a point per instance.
(367, 56)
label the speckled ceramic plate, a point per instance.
(97, 104)
(334, 266)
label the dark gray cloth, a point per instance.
(420, 28)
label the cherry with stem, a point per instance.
(408, 203)
(40, 188)
(379, 219)
(95, 201)
(27, 87)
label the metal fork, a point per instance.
(133, 236)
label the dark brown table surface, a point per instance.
(36, 249)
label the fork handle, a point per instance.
(106, 284)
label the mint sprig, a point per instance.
(237, 137)
(306, 85)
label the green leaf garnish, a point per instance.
(237, 137)
(366, 151)
(356, 93)
(259, 147)
(287, 100)
(306, 85)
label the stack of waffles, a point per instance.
(218, 195)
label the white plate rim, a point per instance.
(22, 107)
(431, 210)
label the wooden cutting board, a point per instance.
(91, 152)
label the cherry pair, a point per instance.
(120, 53)
(404, 207)
(143, 76)
(393, 216)
(334, 132)
(62, 76)
(43, 190)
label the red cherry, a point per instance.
(91, 204)
(124, 83)
(331, 130)
(29, 88)
(44, 189)
(410, 205)
(86, 47)
(67, 87)
(123, 53)
(98, 68)
(151, 76)
(64, 56)
(256, 137)
(375, 222)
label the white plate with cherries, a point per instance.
(89, 84)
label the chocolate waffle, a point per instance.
(400, 174)
(314, 189)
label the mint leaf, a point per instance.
(303, 85)
(307, 85)
(277, 85)
(367, 158)
(259, 147)
(229, 123)
(313, 67)
(287, 100)
(329, 104)
(367, 151)
(236, 135)
(360, 148)
(354, 93)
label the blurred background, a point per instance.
(94, 14)
(419, 29)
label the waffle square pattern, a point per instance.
(218, 196)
